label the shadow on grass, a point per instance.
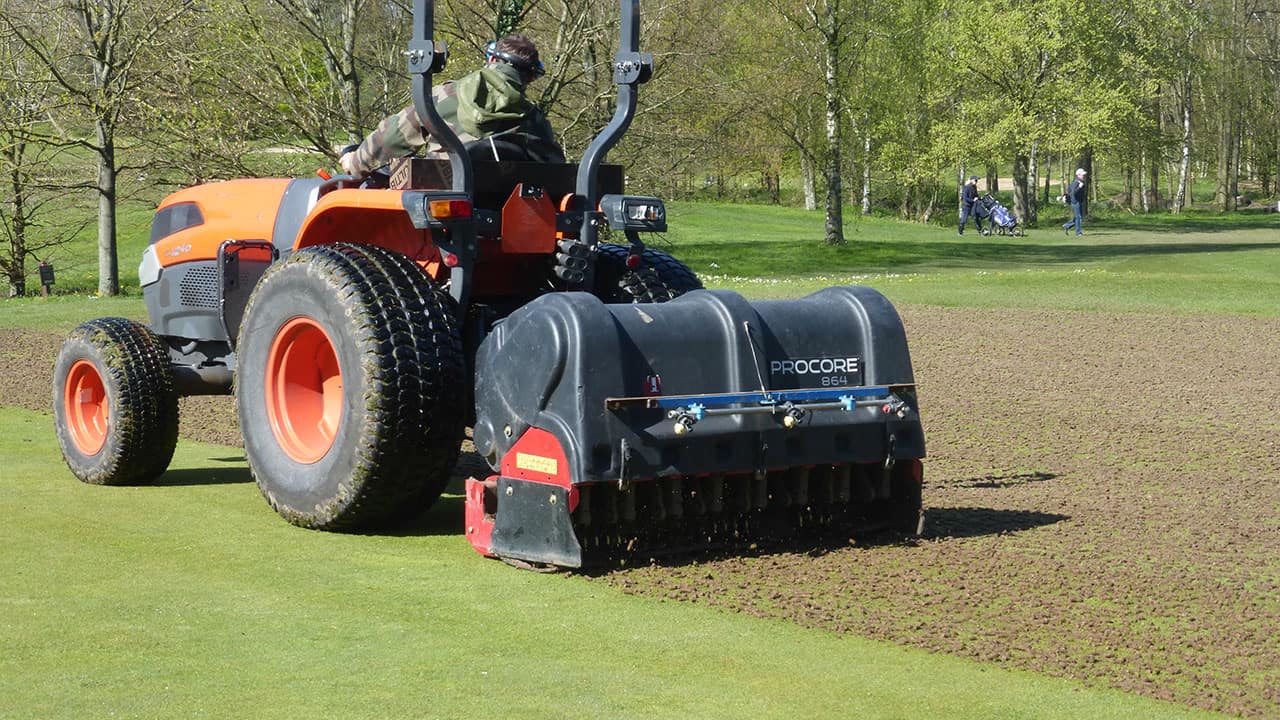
(447, 513)
(876, 256)
(1197, 222)
(444, 517)
(205, 476)
(996, 481)
(971, 522)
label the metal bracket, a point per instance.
(624, 465)
(632, 68)
(426, 56)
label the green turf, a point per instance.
(1194, 263)
(1190, 264)
(61, 313)
(192, 599)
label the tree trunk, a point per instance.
(835, 190)
(1048, 177)
(1152, 202)
(1222, 185)
(993, 179)
(349, 84)
(1033, 214)
(340, 60)
(108, 264)
(1023, 191)
(867, 174)
(1234, 182)
(1129, 196)
(1184, 164)
(18, 240)
(772, 185)
(1153, 153)
(807, 177)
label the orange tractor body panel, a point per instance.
(235, 209)
(374, 218)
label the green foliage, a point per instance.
(735, 110)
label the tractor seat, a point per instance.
(513, 147)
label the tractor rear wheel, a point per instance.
(114, 404)
(659, 277)
(350, 387)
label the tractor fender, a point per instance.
(368, 217)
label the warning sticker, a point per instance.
(537, 463)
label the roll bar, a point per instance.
(630, 68)
(426, 56)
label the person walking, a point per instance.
(969, 197)
(1076, 196)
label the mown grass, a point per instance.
(1198, 263)
(190, 598)
(1195, 263)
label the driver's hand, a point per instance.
(350, 165)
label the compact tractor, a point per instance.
(363, 325)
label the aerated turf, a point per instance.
(1101, 499)
(190, 598)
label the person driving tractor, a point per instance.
(489, 103)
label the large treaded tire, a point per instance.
(115, 408)
(350, 387)
(659, 278)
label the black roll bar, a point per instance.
(630, 68)
(426, 56)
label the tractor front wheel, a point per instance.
(114, 404)
(349, 387)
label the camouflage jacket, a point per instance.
(489, 101)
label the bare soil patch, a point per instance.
(1103, 495)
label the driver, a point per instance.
(489, 102)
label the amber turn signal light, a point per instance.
(450, 209)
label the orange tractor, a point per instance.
(622, 407)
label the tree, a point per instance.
(906, 90)
(91, 51)
(27, 168)
(301, 67)
(839, 31)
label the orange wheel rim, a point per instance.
(304, 390)
(85, 405)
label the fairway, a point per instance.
(192, 599)
(1205, 264)
(1100, 540)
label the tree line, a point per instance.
(869, 103)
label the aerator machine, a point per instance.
(617, 430)
(708, 420)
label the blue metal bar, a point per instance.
(775, 397)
